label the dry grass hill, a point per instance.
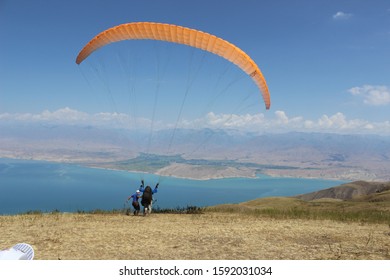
(356, 190)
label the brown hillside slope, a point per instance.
(348, 191)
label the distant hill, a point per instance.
(349, 191)
(297, 154)
(364, 202)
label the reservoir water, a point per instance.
(27, 185)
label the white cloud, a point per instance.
(279, 122)
(69, 116)
(66, 114)
(372, 95)
(281, 117)
(226, 121)
(341, 16)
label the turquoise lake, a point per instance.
(37, 185)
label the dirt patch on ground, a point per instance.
(192, 236)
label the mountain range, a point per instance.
(297, 154)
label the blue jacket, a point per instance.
(135, 197)
(142, 188)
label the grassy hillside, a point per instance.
(349, 191)
(371, 206)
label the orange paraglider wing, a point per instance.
(180, 35)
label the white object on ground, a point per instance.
(20, 251)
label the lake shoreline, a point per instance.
(186, 171)
(254, 174)
(69, 187)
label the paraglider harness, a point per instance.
(147, 198)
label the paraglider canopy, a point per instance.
(180, 35)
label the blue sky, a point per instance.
(327, 64)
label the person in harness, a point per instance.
(135, 203)
(147, 197)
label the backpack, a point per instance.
(147, 196)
